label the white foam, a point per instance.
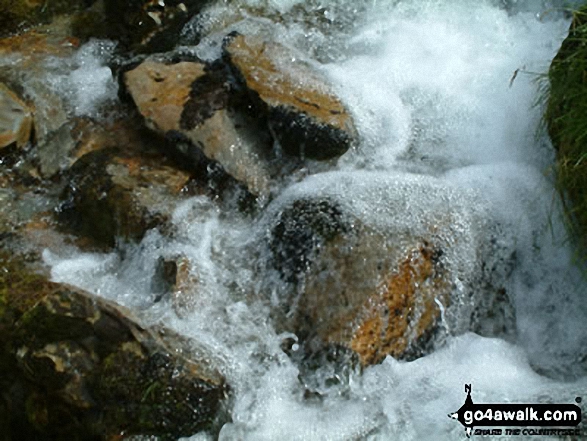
(445, 133)
(90, 82)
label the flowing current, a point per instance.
(445, 95)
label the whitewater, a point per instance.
(446, 98)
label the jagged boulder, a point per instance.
(303, 113)
(74, 366)
(194, 101)
(111, 194)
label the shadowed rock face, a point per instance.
(74, 366)
(304, 115)
(149, 25)
(114, 195)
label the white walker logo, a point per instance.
(558, 418)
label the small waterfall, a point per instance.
(444, 96)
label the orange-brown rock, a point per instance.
(403, 310)
(161, 91)
(381, 288)
(38, 43)
(26, 68)
(306, 117)
(175, 277)
(16, 120)
(17, 14)
(189, 99)
(362, 292)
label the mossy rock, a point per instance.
(566, 117)
(74, 366)
(112, 194)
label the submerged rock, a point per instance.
(193, 101)
(383, 288)
(303, 113)
(114, 195)
(75, 366)
(358, 293)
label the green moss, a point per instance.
(566, 117)
(20, 288)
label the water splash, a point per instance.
(445, 133)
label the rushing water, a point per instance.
(444, 95)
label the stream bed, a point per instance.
(445, 95)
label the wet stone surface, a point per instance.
(74, 366)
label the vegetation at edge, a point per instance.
(566, 117)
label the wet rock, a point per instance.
(381, 290)
(371, 301)
(161, 92)
(175, 278)
(18, 14)
(26, 67)
(327, 370)
(74, 366)
(114, 195)
(192, 101)
(15, 119)
(149, 25)
(23, 207)
(300, 231)
(304, 115)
